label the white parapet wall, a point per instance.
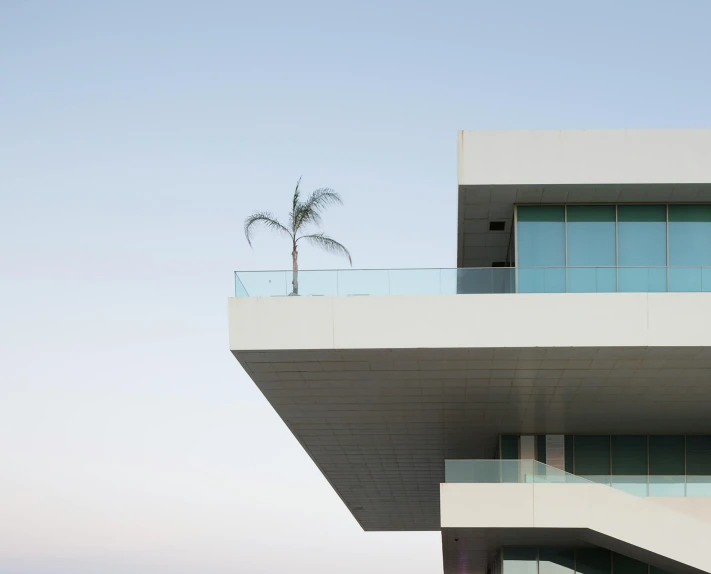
(584, 157)
(471, 321)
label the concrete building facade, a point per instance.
(546, 405)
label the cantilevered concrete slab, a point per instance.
(498, 169)
(381, 390)
(478, 519)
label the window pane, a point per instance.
(642, 235)
(554, 561)
(625, 565)
(666, 466)
(569, 458)
(698, 465)
(509, 446)
(689, 235)
(541, 243)
(629, 455)
(629, 464)
(541, 235)
(592, 455)
(666, 455)
(591, 235)
(642, 243)
(698, 455)
(593, 561)
(520, 561)
(541, 448)
(591, 244)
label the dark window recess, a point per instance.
(499, 264)
(497, 226)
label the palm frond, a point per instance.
(295, 205)
(266, 219)
(327, 244)
(309, 212)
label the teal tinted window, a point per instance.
(541, 448)
(591, 245)
(569, 454)
(625, 565)
(689, 247)
(698, 455)
(666, 466)
(593, 561)
(592, 455)
(520, 560)
(629, 455)
(541, 243)
(509, 446)
(556, 561)
(642, 244)
(666, 455)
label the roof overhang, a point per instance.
(381, 390)
(499, 169)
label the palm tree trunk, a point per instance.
(295, 272)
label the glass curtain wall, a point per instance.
(532, 560)
(541, 248)
(591, 249)
(642, 465)
(642, 247)
(603, 248)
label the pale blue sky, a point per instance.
(134, 139)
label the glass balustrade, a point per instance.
(475, 280)
(531, 471)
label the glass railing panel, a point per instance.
(485, 280)
(642, 279)
(316, 282)
(541, 280)
(486, 471)
(591, 279)
(685, 279)
(534, 472)
(363, 282)
(415, 281)
(698, 486)
(545, 474)
(448, 281)
(507, 471)
(706, 279)
(667, 485)
(634, 485)
(263, 283)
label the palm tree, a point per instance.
(303, 214)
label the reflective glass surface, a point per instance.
(520, 560)
(583, 560)
(556, 561)
(591, 244)
(541, 243)
(642, 247)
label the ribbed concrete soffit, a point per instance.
(379, 423)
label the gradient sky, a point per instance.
(135, 136)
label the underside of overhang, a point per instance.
(472, 550)
(479, 205)
(380, 423)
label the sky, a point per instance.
(136, 136)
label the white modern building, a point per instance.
(547, 405)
